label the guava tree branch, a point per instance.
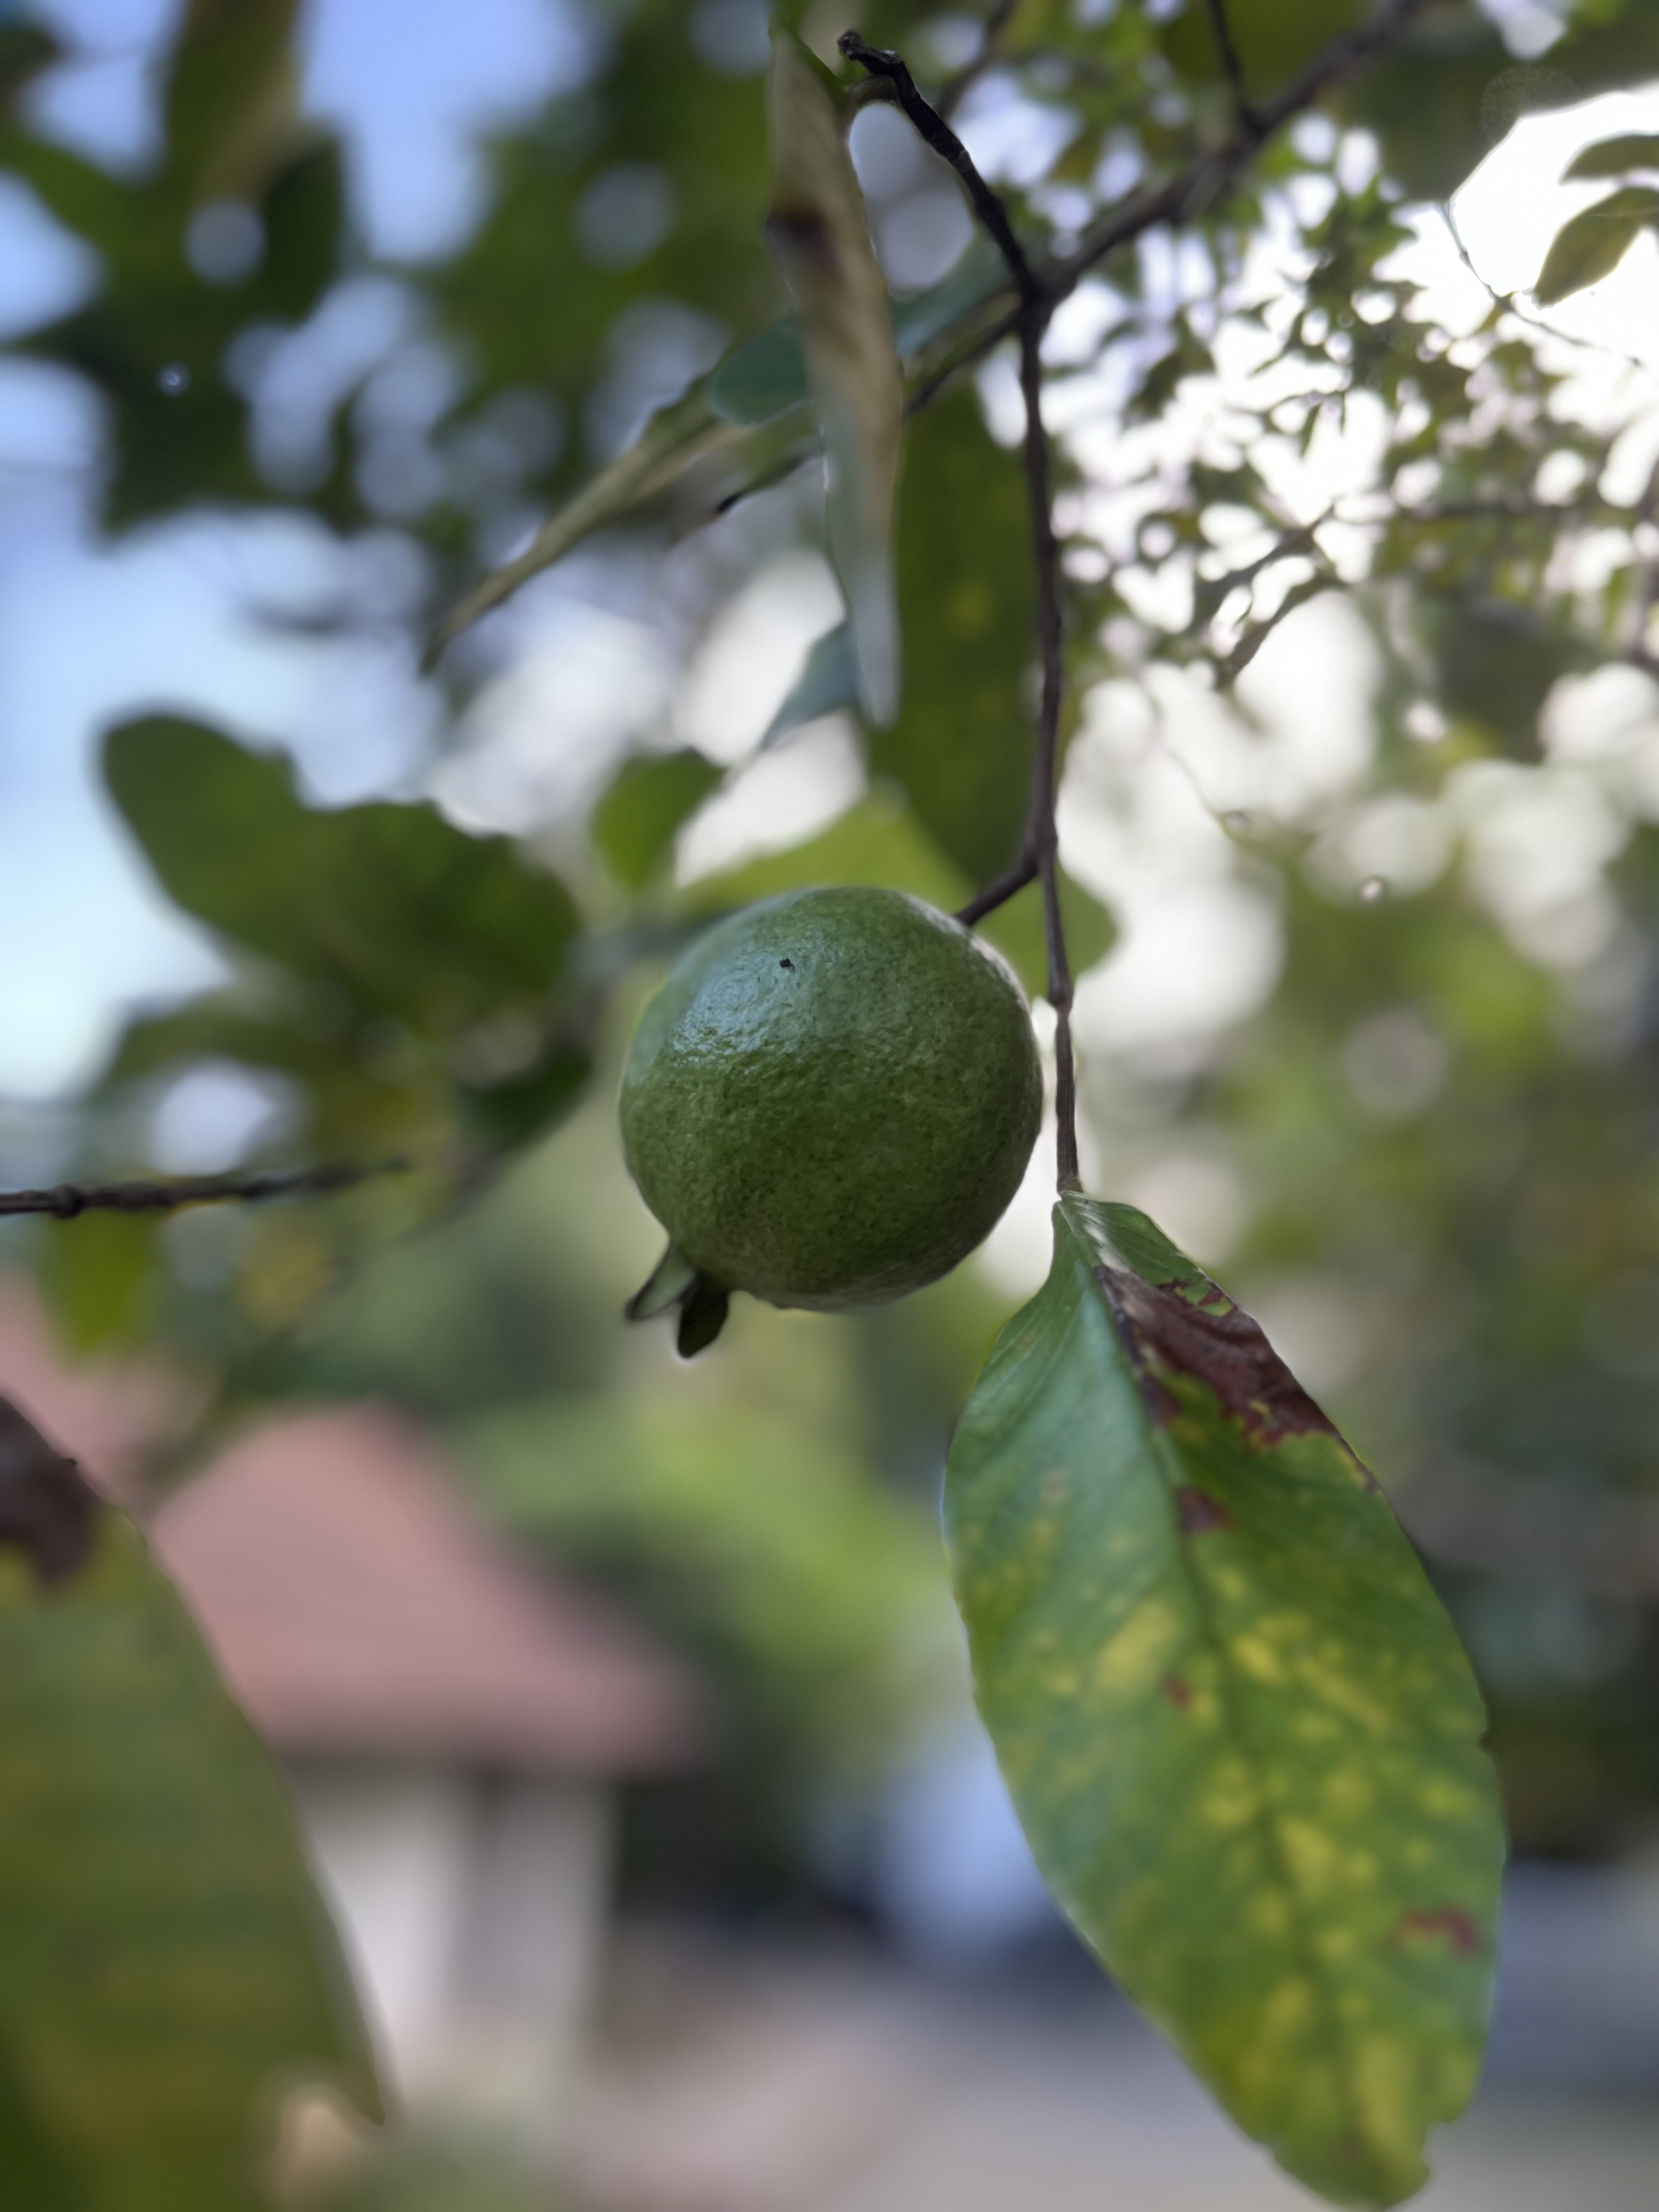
(65, 1201)
(1206, 179)
(1179, 199)
(1039, 846)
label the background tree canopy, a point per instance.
(1363, 766)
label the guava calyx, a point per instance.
(677, 1281)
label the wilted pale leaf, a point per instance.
(1593, 244)
(1239, 1728)
(166, 1971)
(817, 230)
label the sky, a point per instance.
(412, 84)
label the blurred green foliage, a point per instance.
(1446, 1138)
(757, 1539)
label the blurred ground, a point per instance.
(737, 2078)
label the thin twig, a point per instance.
(997, 893)
(1039, 846)
(1293, 546)
(1042, 842)
(68, 1199)
(1204, 181)
(1191, 191)
(1235, 68)
(987, 342)
(1251, 641)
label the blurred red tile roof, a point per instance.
(352, 1604)
(353, 1608)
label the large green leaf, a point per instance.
(412, 916)
(829, 681)
(167, 1970)
(962, 744)
(648, 799)
(1612, 157)
(816, 228)
(1592, 245)
(1239, 1728)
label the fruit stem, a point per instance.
(1039, 849)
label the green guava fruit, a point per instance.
(829, 1103)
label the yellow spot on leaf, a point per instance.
(1258, 1659)
(1446, 1801)
(1312, 1856)
(1289, 2006)
(1232, 1797)
(1349, 1793)
(1140, 1653)
(1268, 1913)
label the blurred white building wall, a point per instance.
(472, 1910)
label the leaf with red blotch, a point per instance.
(1234, 1721)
